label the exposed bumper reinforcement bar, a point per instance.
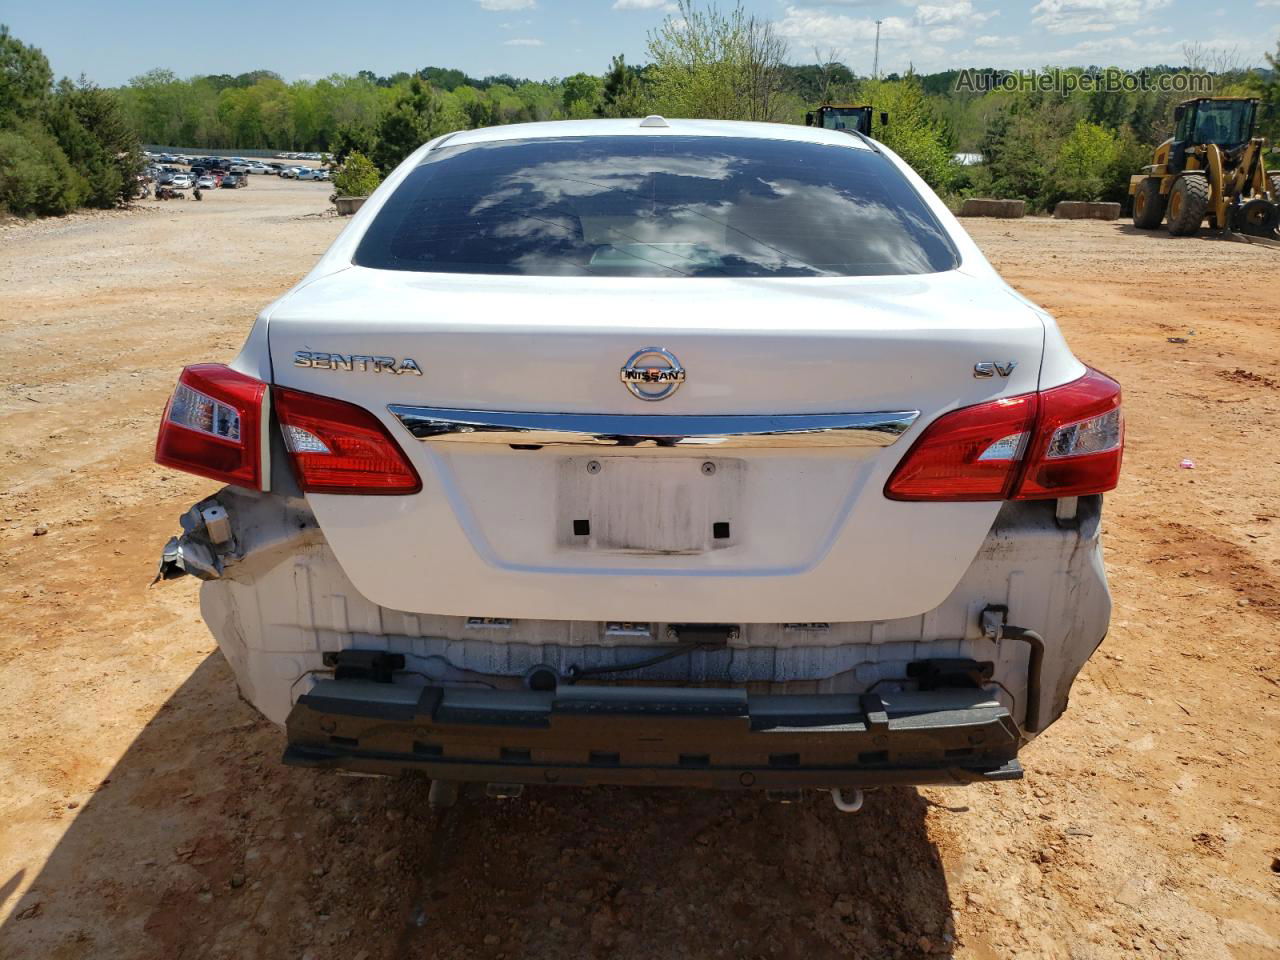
(677, 736)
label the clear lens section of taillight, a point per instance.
(338, 447)
(212, 425)
(1006, 448)
(1079, 440)
(1095, 435)
(297, 440)
(193, 410)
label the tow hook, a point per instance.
(847, 800)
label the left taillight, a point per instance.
(338, 447)
(213, 425)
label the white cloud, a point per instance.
(1091, 16)
(950, 12)
(914, 39)
(507, 4)
(664, 5)
(808, 28)
(1156, 31)
(990, 41)
(522, 42)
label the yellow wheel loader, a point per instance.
(844, 116)
(1212, 167)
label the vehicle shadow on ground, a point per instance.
(199, 844)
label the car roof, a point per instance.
(648, 127)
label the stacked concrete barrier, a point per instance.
(1085, 210)
(1008, 209)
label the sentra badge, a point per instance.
(354, 361)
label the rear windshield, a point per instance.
(643, 206)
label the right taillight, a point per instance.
(1079, 440)
(338, 447)
(1063, 442)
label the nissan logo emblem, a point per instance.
(652, 373)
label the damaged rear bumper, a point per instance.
(677, 736)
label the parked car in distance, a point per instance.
(307, 173)
(182, 181)
(207, 182)
(235, 180)
(239, 167)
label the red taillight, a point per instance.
(212, 425)
(968, 454)
(1079, 440)
(337, 447)
(1062, 442)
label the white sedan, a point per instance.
(678, 452)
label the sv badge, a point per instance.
(989, 368)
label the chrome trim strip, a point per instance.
(438, 424)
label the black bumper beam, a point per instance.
(678, 736)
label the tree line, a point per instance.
(701, 62)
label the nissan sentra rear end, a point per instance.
(680, 452)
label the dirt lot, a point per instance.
(143, 813)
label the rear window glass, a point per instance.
(656, 207)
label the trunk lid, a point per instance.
(696, 531)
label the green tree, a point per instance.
(1267, 89)
(914, 132)
(1020, 147)
(725, 66)
(95, 135)
(59, 149)
(356, 177)
(35, 176)
(25, 77)
(414, 118)
(581, 95)
(621, 93)
(1084, 165)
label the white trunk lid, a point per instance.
(720, 533)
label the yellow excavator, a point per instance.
(1211, 167)
(845, 116)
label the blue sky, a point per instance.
(546, 38)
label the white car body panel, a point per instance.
(815, 542)
(480, 538)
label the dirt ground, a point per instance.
(144, 814)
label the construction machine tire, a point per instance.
(1258, 218)
(1188, 203)
(1148, 204)
(1274, 179)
